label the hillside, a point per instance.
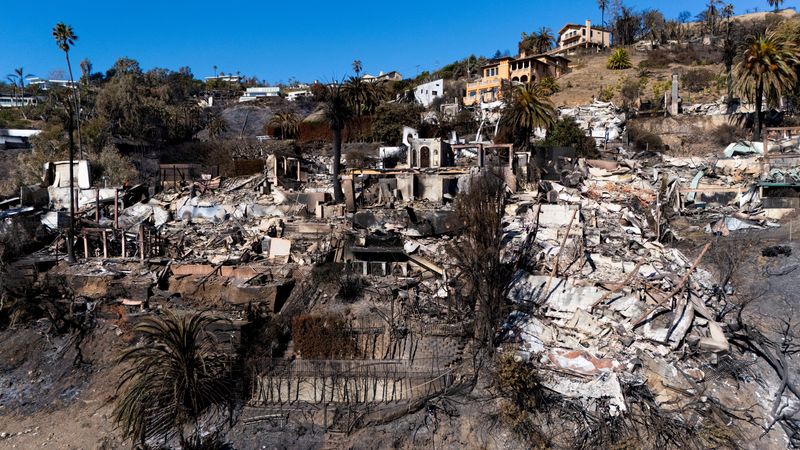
(590, 77)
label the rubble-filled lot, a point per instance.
(626, 295)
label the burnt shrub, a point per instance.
(726, 133)
(642, 139)
(351, 285)
(695, 80)
(323, 337)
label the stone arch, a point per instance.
(515, 79)
(424, 157)
(524, 79)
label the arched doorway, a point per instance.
(413, 157)
(524, 79)
(515, 79)
(424, 157)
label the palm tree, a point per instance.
(357, 67)
(528, 109)
(543, 40)
(337, 112)
(18, 79)
(216, 126)
(775, 3)
(177, 377)
(215, 70)
(603, 5)
(287, 122)
(766, 69)
(12, 80)
(86, 70)
(65, 38)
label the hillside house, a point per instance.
(507, 71)
(426, 93)
(573, 36)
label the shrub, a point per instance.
(518, 381)
(549, 86)
(644, 140)
(630, 90)
(567, 133)
(606, 94)
(726, 133)
(619, 60)
(350, 285)
(359, 158)
(110, 163)
(695, 80)
(322, 337)
(659, 88)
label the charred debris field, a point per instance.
(602, 254)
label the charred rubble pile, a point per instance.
(614, 306)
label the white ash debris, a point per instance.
(602, 120)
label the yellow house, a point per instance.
(507, 70)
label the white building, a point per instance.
(294, 95)
(16, 102)
(253, 93)
(45, 84)
(426, 93)
(391, 76)
(225, 78)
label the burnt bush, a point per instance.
(725, 134)
(642, 139)
(351, 285)
(323, 337)
(695, 80)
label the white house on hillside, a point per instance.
(253, 93)
(427, 92)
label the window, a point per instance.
(472, 93)
(434, 93)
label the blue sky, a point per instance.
(278, 40)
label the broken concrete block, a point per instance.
(279, 247)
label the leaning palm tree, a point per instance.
(65, 38)
(528, 109)
(337, 112)
(176, 378)
(766, 70)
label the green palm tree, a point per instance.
(65, 38)
(287, 122)
(357, 67)
(176, 377)
(19, 78)
(766, 69)
(338, 112)
(528, 109)
(363, 97)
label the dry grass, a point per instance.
(590, 76)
